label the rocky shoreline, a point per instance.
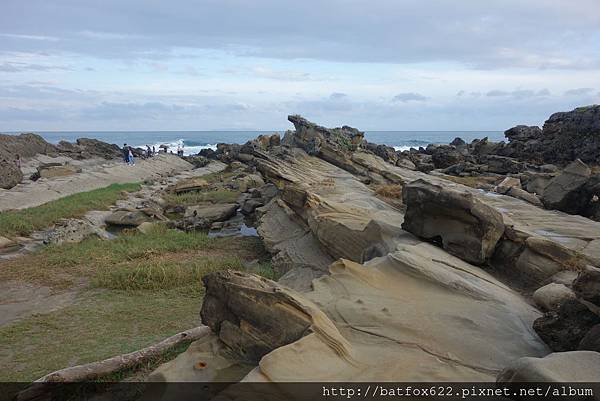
(450, 281)
(460, 262)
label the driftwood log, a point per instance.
(95, 370)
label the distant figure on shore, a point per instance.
(126, 153)
(153, 150)
(179, 150)
(18, 161)
(131, 159)
(148, 151)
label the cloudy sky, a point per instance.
(240, 64)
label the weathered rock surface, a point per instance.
(551, 296)
(50, 171)
(564, 328)
(211, 213)
(11, 174)
(191, 184)
(254, 316)
(25, 145)
(563, 191)
(560, 367)
(465, 226)
(127, 218)
(573, 134)
(402, 309)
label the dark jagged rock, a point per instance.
(444, 156)
(463, 225)
(387, 153)
(571, 135)
(334, 145)
(523, 133)
(11, 174)
(458, 142)
(564, 192)
(94, 147)
(564, 328)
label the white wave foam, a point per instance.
(403, 148)
(172, 147)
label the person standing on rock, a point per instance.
(126, 153)
(131, 160)
(18, 161)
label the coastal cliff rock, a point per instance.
(25, 145)
(573, 134)
(393, 305)
(463, 225)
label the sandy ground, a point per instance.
(95, 174)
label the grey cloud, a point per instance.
(491, 34)
(579, 91)
(20, 67)
(409, 97)
(338, 95)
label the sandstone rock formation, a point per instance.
(560, 367)
(463, 225)
(362, 298)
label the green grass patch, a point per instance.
(99, 326)
(196, 197)
(185, 277)
(24, 222)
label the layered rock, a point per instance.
(462, 224)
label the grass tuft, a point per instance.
(26, 221)
(195, 198)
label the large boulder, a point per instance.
(253, 315)
(564, 328)
(188, 185)
(562, 367)
(551, 296)
(11, 174)
(563, 191)
(444, 156)
(461, 224)
(211, 213)
(571, 135)
(96, 148)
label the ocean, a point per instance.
(194, 141)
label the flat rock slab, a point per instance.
(210, 212)
(43, 191)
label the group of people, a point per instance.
(128, 155)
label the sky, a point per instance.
(72, 65)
